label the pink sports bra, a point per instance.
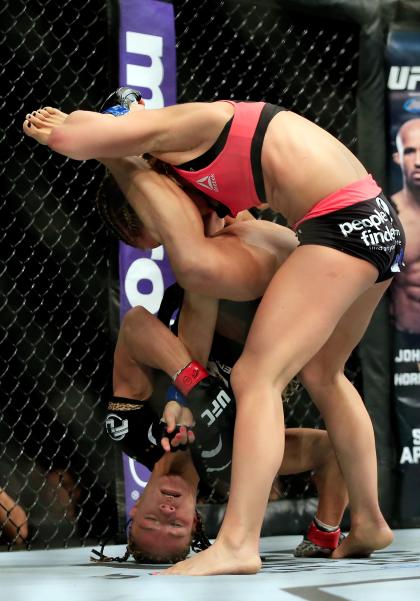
(234, 177)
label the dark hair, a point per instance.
(161, 167)
(116, 212)
(199, 542)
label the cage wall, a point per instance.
(56, 350)
(57, 315)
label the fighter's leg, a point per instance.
(143, 344)
(298, 313)
(309, 449)
(349, 426)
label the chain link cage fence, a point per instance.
(56, 352)
(56, 340)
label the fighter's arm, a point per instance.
(222, 266)
(131, 379)
(197, 322)
(226, 265)
(144, 342)
(199, 313)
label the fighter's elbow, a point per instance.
(185, 279)
(193, 274)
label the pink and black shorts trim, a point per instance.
(369, 229)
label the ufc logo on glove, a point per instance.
(219, 404)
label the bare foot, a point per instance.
(39, 124)
(216, 560)
(361, 542)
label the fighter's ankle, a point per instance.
(326, 527)
(238, 543)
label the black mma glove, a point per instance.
(159, 431)
(139, 431)
(213, 409)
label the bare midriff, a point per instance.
(302, 164)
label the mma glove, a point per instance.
(213, 409)
(118, 102)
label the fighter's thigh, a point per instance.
(302, 305)
(331, 358)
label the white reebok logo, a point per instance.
(208, 182)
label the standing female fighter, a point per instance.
(317, 306)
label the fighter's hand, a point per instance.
(39, 124)
(179, 420)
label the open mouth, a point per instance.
(169, 492)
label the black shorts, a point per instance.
(369, 230)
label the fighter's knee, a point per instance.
(250, 376)
(192, 273)
(309, 376)
(240, 374)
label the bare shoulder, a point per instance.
(263, 226)
(263, 233)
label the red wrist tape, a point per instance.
(189, 377)
(329, 540)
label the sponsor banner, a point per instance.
(148, 64)
(144, 276)
(147, 50)
(403, 54)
